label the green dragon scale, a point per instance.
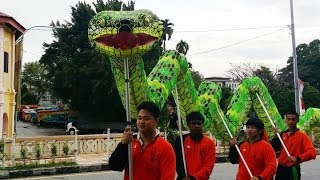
(127, 35)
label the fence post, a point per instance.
(108, 144)
(75, 144)
(4, 150)
(13, 147)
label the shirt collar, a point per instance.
(293, 131)
(140, 140)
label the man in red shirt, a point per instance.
(153, 157)
(258, 154)
(200, 151)
(299, 146)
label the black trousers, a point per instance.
(288, 173)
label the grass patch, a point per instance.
(21, 166)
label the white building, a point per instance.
(224, 82)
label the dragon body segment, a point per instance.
(127, 35)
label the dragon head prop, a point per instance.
(124, 34)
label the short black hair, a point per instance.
(294, 113)
(256, 123)
(151, 107)
(195, 115)
(171, 104)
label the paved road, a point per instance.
(222, 171)
(26, 129)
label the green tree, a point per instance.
(182, 47)
(308, 60)
(226, 98)
(35, 85)
(151, 58)
(272, 80)
(27, 97)
(311, 96)
(197, 78)
(113, 5)
(78, 73)
(167, 31)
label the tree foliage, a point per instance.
(78, 73)
(226, 98)
(280, 83)
(27, 97)
(34, 82)
(308, 60)
(167, 31)
(182, 47)
(241, 71)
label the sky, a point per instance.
(210, 27)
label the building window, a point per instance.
(6, 62)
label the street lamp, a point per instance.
(18, 103)
(20, 38)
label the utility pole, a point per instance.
(295, 64)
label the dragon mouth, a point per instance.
(125, 40)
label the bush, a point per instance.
(65, 148)
(23, 152)
(37, 149)
(53, 150)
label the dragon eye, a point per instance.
(146, 21)
(102, 23)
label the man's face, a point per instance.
(253, 132)
(146, 123)
(169, 107)
(291, 121)
(195, 126)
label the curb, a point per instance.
(5, 174)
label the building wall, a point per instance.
(224, 82)
(7, 92)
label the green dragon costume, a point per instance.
(127, 35)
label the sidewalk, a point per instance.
(92, 159)
(85, 163)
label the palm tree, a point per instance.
(167, 31)
(182, 47)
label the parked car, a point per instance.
(55, 120)
(86, 126)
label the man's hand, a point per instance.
(233, 142)
(254, 178)
(292, 159)
(275, 130)
(127, 136)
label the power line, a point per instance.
(233, 29)
(239, 42)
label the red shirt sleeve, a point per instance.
(308, 149)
